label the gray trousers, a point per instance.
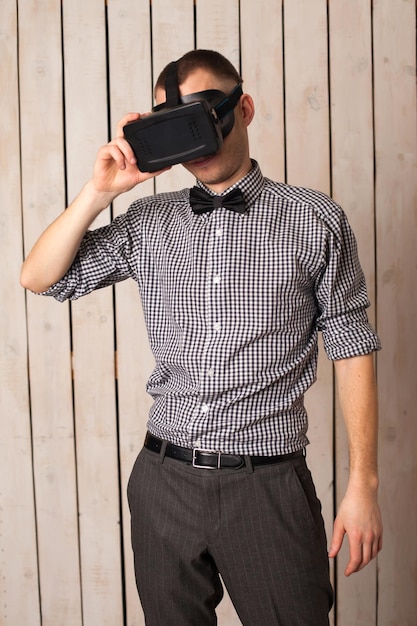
(261, 529)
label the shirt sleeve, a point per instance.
(342, 295)
(106, 256)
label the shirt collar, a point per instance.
(251, 185)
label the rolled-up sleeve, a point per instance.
(342, 296)
(106, 256)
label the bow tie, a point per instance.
(203, 202)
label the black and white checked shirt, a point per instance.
(233, 304)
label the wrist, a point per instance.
(96, 199)
(363, 481)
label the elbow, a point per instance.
(25, 278)
(28, 281)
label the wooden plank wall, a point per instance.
(335, 92)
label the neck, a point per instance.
(220, 186)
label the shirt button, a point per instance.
(210, 372)
(219, 232)
(217, 326)
(216, 279)
(205, 408)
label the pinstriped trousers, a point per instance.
(261, 529)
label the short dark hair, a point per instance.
(202, 59)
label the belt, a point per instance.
(212, 460)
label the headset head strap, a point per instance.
(172, 91)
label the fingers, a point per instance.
(119, 151)
(363, 545)
(368, 550)
(358, 556)
(126, 119)
(362, 549)
(122, 143)
(337, 539)
(116, 169)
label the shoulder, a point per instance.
(161, 201)
(307, 201)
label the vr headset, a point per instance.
(182, 128)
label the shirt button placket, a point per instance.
(214, 325)
(216, 295)
(216, 275)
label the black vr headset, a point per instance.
(184, 127)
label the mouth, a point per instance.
(202, 161)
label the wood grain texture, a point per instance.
(84, 41)
(17, 510)
(396, 222)
(217, 28)
(43, 195)
(130, 90)
(352, 168)
(263, 77)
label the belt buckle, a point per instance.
(208, 467)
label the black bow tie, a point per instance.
(203, 202)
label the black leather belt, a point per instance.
(212, 460)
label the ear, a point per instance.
(247, 108)
(160, 95)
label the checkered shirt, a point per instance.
(233, 306)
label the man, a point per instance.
(233, 301)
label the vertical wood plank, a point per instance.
(172, 36)
(264, 80)
(92, 329)
(396, 212)
(308, 165)
(217, 28)
(130, 90)
(306, 94)
(353, 189)
(18, 559)
(48, 324)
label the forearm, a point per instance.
(115, 172)
(359, 515)
(55, 250)
(358, 399)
